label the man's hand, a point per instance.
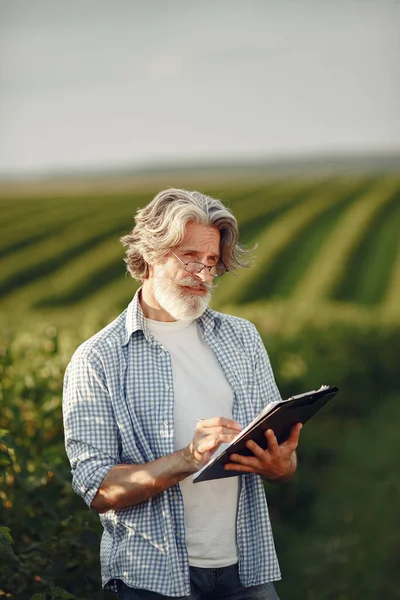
(277, 463)
(208, 436)
(127, 484)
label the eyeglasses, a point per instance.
(197, 267)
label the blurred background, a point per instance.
(289, 112)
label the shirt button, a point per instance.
(165, 423)
(167, 387)
(162, 354)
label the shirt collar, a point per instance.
(209, 321)
(135, 320)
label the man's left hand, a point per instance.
(277, 463)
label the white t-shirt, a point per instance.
(201, 391)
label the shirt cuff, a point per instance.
(92, 485)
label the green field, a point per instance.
(327, 242)
(324, 291)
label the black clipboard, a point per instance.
(279, 416)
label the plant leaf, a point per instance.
(6, 543)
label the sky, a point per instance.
(95, 84)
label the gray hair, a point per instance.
(161, 225)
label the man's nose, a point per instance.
(205, 275)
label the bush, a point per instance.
(334, 522)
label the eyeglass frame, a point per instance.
(203, 266)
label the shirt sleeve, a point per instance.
(91, 433)
(269, 391)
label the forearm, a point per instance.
(127, 484)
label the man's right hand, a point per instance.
(208, 436)
(129, 484)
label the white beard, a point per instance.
(176, 300)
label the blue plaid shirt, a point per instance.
(118, 408)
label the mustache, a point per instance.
(195, 283)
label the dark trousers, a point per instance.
(208, 584)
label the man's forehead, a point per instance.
(202, 236)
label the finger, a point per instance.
(220, 422)
(211, 442)
(255, 448)
(294, 436)
(216, 430)
(239, 468)
(272, 441)
(250, 461)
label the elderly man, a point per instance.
(148, 400)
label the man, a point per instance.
(148, 400)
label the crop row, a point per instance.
(370, 266)
(317, 239)
(82, 275)
(329, 267)
(258, 211)
(281, 276)
(29, 225)
(277, 236)
(48, 256)
(26, 229)
(21, 212)
(116, 294)
(391, 303)
(45, 247)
